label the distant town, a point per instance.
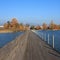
(14, 25)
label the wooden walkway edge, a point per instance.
(28, 46)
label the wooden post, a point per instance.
(53, 41)
(45, 37)
(48, 38)
(42, 35)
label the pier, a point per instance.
(28, 46)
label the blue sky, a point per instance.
(30, 11)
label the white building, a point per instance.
(1, 26)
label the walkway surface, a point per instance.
(28, 46)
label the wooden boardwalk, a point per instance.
(28, 46)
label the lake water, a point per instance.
(7, 37)
(44, 34)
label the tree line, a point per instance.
(51, 26)
(14, 25)
(44, 26)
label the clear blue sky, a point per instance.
(30, 11)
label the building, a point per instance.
(1, 27)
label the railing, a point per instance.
(50, 37)
(43, 36)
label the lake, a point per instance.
(8, 37)
(44, 34)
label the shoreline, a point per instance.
(5, 31)
(8, 31)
